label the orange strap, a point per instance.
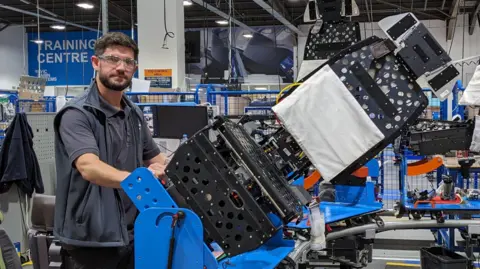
(362, 172)
(310, 181)
(424, 166)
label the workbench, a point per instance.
(451, 164)
(447, 236)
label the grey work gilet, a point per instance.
(86, 214)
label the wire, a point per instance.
(167, 33)
(288, 87)
(165, 148)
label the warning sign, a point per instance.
(159, 78)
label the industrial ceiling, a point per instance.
(205, 13)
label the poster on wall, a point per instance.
(268, 51)
(64, 57)
(159, 78)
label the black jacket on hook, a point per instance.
(18, 161)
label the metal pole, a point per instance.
(304, 246)
(223, 15)
(278, 16)
(47, 17)
(230, 67)
(39, 45)
(131, 19)
(105, 16)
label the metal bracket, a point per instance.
(382, 48)
(370, 234)
(473, 229)
(317, 26)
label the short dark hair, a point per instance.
(115, 39)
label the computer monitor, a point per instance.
(174, 121)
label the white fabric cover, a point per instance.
(475, 145)
(328, 123)
(471, 95)
(308, 66)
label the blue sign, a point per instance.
(65, 57)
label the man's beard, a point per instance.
(114, 86)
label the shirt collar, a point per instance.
(111, 111)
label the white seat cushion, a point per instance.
(328, 123)
(471, 95)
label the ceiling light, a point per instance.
(187, 2)
(38, 41)
(223, 22)
(85, 5)
(247, 35)
(261, 88)
(58, 27)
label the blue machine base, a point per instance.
(466, 206)
(351, 201)
(153, 232)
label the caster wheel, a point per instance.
(417, 215)
(287, 263)
(400, 210)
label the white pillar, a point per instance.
(151, 33)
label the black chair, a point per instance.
(45, 250)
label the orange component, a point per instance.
(315, 177)
(311, 180)
(437, 200)
(424, 166)
(432, 203)
(362, 172)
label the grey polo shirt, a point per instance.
(79, 139)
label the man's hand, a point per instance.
(158, 170)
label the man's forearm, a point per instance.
(103, 174)
(160, 159)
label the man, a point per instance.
(100, 137)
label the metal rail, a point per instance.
(404, 225)
(303, 247)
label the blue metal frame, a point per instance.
(456, 108)
(211, 92)
(195, 95)
(445, 237)
(350, 201)
(167, 104)
(153, 231)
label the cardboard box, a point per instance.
(162, 98)
(236, 104)
(37, 107)
(30, 95)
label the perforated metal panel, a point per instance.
(233, 187)
(422, 53)
(205, 181)
(383, 87)
(43, 135)
(331, 39)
